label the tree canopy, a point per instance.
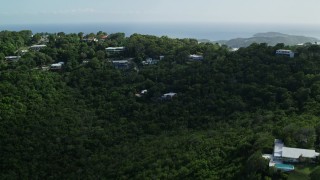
(86, 121)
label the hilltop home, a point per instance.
(90, 39)
(285, 52)
(143, 92)
(23, 51)
(283, 154)
(289, 154)
(103, 38)
(12, 58)
(113, 50)
(37, 47)
(56, 66)
(194, 57)
(168, 96)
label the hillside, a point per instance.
(90, 119)
(271, 38)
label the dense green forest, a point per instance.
(85, 122)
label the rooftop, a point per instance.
(115, 48)
(56, 65)
(297, 152)
(37, 46)
(170, 94)
(12, 57)
(120, 61)
(195, 56)
(287, 152)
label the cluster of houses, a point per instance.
(54, 67)
(94, 39)
(127, 63)
(282, 155)
(122, 63)
(22, 52)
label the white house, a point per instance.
(115, 49)
(12, 58)
(282, 155)
(285, 52)
(168, 95)
(289, 154)
(57, 66)
(37, 47)
(195, 57)
(145, 91)
(234, 49)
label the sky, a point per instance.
(184, 11)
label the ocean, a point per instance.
(210, 31)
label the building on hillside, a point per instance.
(285, 52)
(23, 51)
(145, 91)
(37, 47)
(234, 49)
(90, 39)
(150, 61)
(103, 38)
(56, 66)
(142, 93)
(121, 64)
(289, 154)
(113, 50)
(12, 58)
(194, 57)
(282, 155)
(168, 96)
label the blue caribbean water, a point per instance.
(210, 31)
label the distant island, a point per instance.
(271, 38)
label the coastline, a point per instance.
(210, 31)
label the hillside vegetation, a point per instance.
(85, 122)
